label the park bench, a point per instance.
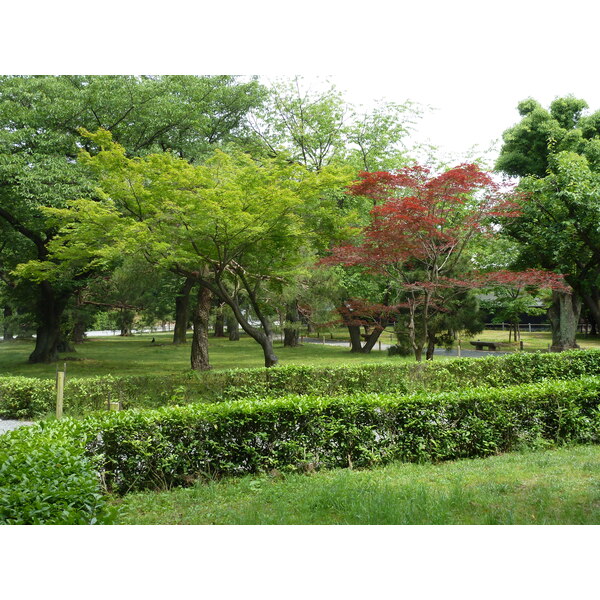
(479, 345)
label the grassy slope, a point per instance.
(559, 486)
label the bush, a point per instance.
(24, 398)
(45, 478)
(173, 446)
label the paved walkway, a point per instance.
(6, 425)
(384, 346)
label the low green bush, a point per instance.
(46, 478)
(52, 472)
(24, 398)
(161, 448)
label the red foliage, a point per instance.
(423, 217)
(364, 313)
(421, 224)
(521, 279)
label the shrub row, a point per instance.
(157, 449)
(173, 446)
(23, 398)
(46, 478)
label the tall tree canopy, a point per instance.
(39, 142)
(556, 152)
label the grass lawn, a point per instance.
(560, 486)
(137, 356)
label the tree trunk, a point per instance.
(182, 311)
(355, 341)
(564, 317)
(592, 302)
(126, 322)
(219, 322)
(291, 333)
(199, 355)
(78, 333)
(50, 310)
(372, 340)
(430, 348)
(233, 329)
(6, 334)
(264, 339)
(65, 345)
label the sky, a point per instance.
(471, 60)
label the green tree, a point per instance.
(557, 154)
(39, 144)
(226, 223)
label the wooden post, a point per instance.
(60, 390)
(379, 342)
(458, 349)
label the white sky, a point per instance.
(473, 60)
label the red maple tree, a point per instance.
(421, 225)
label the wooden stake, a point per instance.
(60, 390)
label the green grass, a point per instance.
(560, 486)
(137, 356)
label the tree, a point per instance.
(556, 152)
(230, 222)
(419, 240)
(318, 129)
(39, 144)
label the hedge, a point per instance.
(25, 398)
(158, 449)
(46, 479)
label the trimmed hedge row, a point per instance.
(25, 398)
(157, 449)
(46, 478)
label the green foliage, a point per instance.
(26, 398)
(320, 128)
(173, 446)
(45, 479)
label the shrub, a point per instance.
(173, 446)
(24, 398)
(45, 478)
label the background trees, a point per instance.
(557, 154)
(289, 150)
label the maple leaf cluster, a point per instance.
(422, 218)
